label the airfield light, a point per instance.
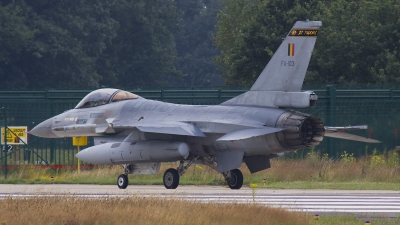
(367, 222)
(264, 181)
(316, 217)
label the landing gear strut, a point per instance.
(234, 177)
(171, 175)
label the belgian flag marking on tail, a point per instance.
(291, 49)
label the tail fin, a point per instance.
(286, 70)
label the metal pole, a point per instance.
(37, 155)
(331, 117)
(79, 161)
(52, 149)
(5, 147)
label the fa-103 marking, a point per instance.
(252, 128)
(287, 63)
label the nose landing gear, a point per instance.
(122, 181)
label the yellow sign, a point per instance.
(15, 139)
(79, 141)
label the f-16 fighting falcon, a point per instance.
(254, 127)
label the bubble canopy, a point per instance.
(104, 96)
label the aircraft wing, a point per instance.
(335, 132)
(248, 133)
(177, 128)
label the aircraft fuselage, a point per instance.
(214, 121)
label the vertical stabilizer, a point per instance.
(287, 68)
(280, 82)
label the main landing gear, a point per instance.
(171, 178)
(171, 175)
(234, 177)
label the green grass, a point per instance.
(375, 172)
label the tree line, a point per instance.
(91, 44)
(189, 43)
(358, 43)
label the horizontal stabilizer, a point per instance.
(358, 127)
(347, 136)
(248, 133)
(177, 128)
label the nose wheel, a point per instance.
(122, 181)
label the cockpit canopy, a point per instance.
(104, 96)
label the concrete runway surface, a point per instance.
(363, 203)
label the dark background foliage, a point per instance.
(48, 44)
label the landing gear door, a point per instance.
(229, 160)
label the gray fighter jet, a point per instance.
(253, 127)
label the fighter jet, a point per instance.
(253, 128)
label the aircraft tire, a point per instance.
(171, 178)
(122, 181)
(236, 180)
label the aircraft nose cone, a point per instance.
(43, 129)
(82, 155)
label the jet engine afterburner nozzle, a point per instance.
(301, 130)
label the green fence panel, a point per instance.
(377, 106)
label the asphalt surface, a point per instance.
(362, 203)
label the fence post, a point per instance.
(331, 93)
(192, 95)
(5, 147)
(46, 95)
(52, 151)
(391, 94)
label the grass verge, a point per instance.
(375, 172)
(152, 210)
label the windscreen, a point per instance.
(123, 95)
(96, 98)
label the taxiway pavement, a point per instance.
(363, 203)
